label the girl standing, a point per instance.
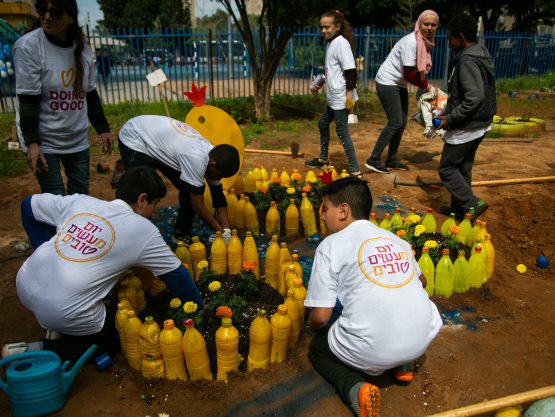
(341, 79)
(408, 62)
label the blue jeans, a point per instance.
(76, 166)
(340, 117)
(395, 102)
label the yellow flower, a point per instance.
(430, 244)
(291, 190)
(175, 303)
(401, 233)
(418, 230)
(214, 286)
(190, 307)
(414, 218)
(454, 229)
(202, 265)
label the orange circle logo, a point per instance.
(385, 262)
(85, 237)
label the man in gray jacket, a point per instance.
(470, 109)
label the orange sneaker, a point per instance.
(369, 401)
(404, 373)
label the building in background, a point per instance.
(19, 14)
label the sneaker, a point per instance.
(369, 400)
(315, 163)
(376, 167)
(356, 173)
(479, 208)
(397, 165)
(180, 236)
(404, 373)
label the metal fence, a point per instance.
(221, 61)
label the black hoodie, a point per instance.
(472, 96)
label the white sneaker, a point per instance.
(10, 349)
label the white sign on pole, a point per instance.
(156, 78)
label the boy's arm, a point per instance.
(182, 286)
(472, 87)
(38, 232)
(319, 317)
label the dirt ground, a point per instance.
(502, 343)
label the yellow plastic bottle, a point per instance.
(250, 253)
(449, 221)
(284, 178)
(460, 273)
(281, 330)
(444, 276)
(170, 343)
(153, 367)
(126, 292)
(121, 319)
(334, 174)
(227, 349)
(196, 355)
(274, 177)
(310, 177)
(429, 221)
(264, 174)
(149, 338)
(183, 254)
(344, 173)
(308, 217)
(321, 221)
(284, 261)
(272, 265)
(198, 253)
(295, 315)
(490, 256)
(218, 255)
(299, 293)
(260, 334)
(476, 268)
(290, 276)
(250, 182)
(136, 283)
(465, 229)
(480, 234)
(296, 176)
(132, 331)
(232, 202)
(372, 219)
(257, 176)
(250, 216)
(295, 262)
(240, 213)
(396, 220)
(386, 221)
(292, 219)
(272, 220)
(234, 254)
(157, 286)
(428, 270)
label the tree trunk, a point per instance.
(262, 91)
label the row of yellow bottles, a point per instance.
(254, 178)
(131, 289)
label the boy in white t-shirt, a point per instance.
(387, 318)
(83, 245)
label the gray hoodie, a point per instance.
(472, 95)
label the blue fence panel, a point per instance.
(221, 61)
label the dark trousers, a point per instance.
(455, 171)
(185, 214)
(341, 128)
(339, 375)
(395, 102)
(76, 166)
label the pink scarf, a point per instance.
(424, 45)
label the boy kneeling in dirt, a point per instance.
(387, 319)
(83, 245)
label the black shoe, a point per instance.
(479, 208)
(397, 165)
(376, 167)
(447, 211)
(315, 163)
(180, 236)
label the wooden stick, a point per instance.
(514, 181)
(267, 151)
(493, 405)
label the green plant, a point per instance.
(247, 284)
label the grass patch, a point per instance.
(544, 82)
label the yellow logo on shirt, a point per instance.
(67, 77)
(385, 262)
(85, 237)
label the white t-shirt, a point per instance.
(170, 142)
(339, 58)
(402, 55)
(460, 136)
(387, 318)
(64, 281)
(45, 69)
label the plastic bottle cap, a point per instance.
(169, 324)
(282, 309)
(262, 312)
(188, 323)
(297, 282)
(445, 251)
(430, 210)
(149, 319)
(226, 322)
(521, 268)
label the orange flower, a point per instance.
(454, 229)
(401, 233)
(276, 179)
(307, 188)
(263, 189)
(249, 266)
(295, 176)
(223, 312)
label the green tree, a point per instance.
(146, 14)
(267, 39)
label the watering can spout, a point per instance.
(69, 376)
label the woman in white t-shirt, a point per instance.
(408, 62)
(341, 79)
